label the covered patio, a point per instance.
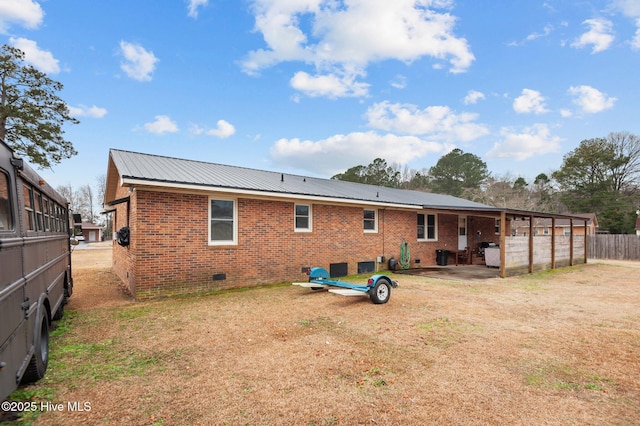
(513, 246)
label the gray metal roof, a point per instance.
(158, 170)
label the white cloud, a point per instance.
(399, 82)
(531, 141)
(530, 101)
(139, 63)
(600, 35)
(548, 29)
(85, 111)
(41, 59)
(342, 38)
(545, 32)
(223, 130)
(194, 5)
(163, 124)
(339, 152)
(635, 41)
(591, 100)
(436, 122)
(27, 13)
(631, 9)
(330, 86)
(473, 96)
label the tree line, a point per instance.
(602, 176)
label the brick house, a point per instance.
(196, 227)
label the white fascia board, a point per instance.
(264, 194)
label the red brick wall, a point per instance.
(122, 262)
(169, 251)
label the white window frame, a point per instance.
(375, 221)
(295, 216)
(232, 242)
(426, 227)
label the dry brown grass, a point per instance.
(552, 348)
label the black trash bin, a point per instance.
(441, 257)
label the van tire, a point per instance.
(60, 311)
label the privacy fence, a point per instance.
(621, 247)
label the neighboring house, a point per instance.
(187, 226)
(86, 231)
(91, 232)
(543, 226)
(638, 223)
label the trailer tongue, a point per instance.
(378, 287)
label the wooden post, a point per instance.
(553, 243)
(586, 251)
(503, 240)
(571, 234)
(530, 244)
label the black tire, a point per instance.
(38, 364)
(60, 311)
(381, 292)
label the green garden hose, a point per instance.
(405, 257)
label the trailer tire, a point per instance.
(38, 363)
(381, 292)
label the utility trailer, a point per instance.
(378, 287)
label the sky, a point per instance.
(314, 87)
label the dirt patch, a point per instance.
(550, 348)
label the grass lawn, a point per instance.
(558, 347)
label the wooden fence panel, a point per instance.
(608, 246)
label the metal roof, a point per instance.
(147, 169)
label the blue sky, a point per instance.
(317, 86)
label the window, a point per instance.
(497, 227)
(302, 214)
(370, 221)
(6, 218)
(28, 206)
(46, 211)
(223, 222)
(427, 227)
(39, 210)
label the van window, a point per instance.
(6, 219)
(29, 207)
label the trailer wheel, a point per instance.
(38, 364)
(381, 292)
